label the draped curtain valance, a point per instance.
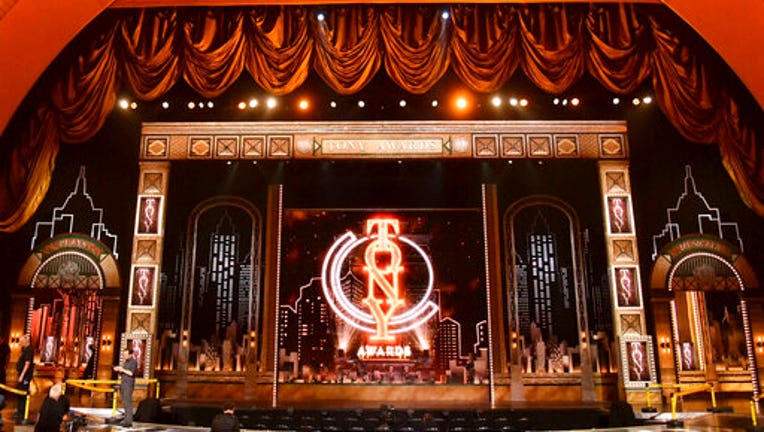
(148, 51)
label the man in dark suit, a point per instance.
(227, 421)
(127, 375)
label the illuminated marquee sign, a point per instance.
(384, 313)
(384, 351)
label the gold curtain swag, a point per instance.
(147, 51)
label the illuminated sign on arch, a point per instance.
(385, 312)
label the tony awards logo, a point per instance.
(385, 312)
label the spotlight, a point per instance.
(210, 104)
(124, 104)
(523, 102)
(228, 162)
(647, 100)
(496, 101)
(320, 16)
(402, 103)
(575, 101)
(445, 15)
(165, 104)
(616, 101)
(636, 101)
(253, 103)
(271, 103)
(564, 102)
(333, 104)
(133, 105)
(461, 103)
(434, 103)
(242, 105)
(303, 104)
(513, 102)
(191, 105)
(201, 105)
(556, 101)
(361, 104)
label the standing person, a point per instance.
(54, 409)
(89, 372)
(227, 421)
(25, 369)
(127, 374)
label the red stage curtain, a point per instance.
(148, 51)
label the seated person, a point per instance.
(54, 409)
(225, 422)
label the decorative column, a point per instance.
(635, 348)
(146, 258)
(495, 293)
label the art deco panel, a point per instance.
(200, 147)
(512, 146)
(280, 146)
(485, 146)
(145, 250)
(612, 146)
(566, 146)
(540, 146)
(226, 147)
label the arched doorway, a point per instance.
(68, 286)
(221, 296)
(701, 297)
(546, 302)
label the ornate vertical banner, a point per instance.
(148, 215)
(142, 283)
(140, 345)
(637, 361)
(393, 297)
(627, 287)
(619, 215)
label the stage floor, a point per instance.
(692, 421)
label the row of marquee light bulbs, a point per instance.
(460, 102)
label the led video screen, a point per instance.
(383, 297)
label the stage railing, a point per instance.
(754, 405)
(698, 388)
(690, 387)
(20, 393)
(93, 386)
